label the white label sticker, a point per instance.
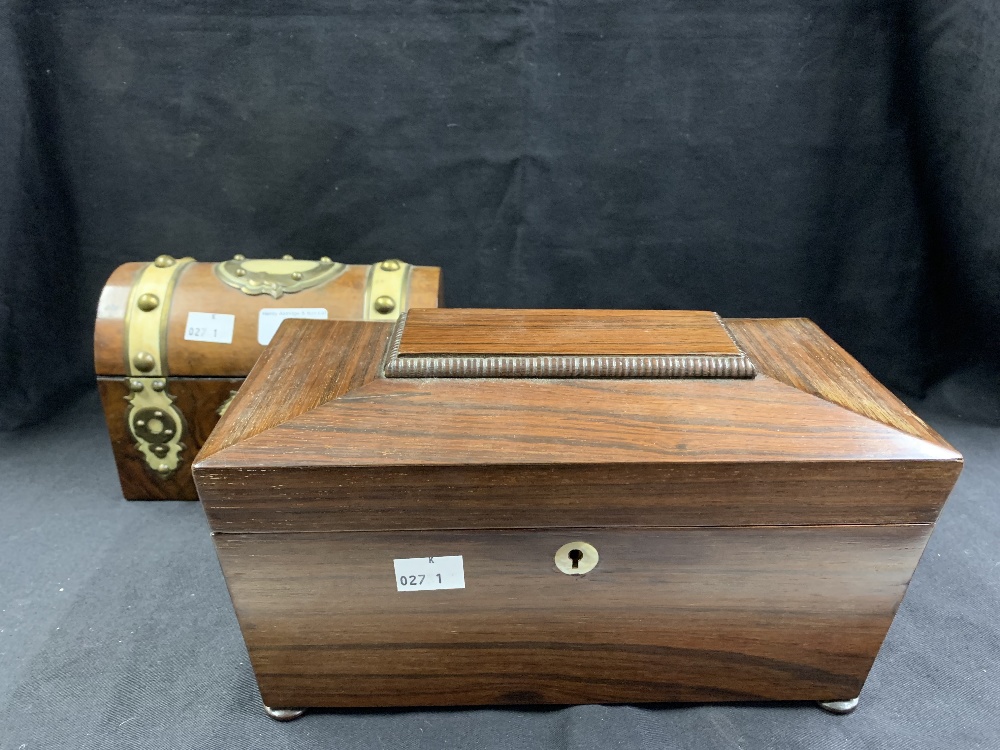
(429, 573)
(270, 318)
(216, 328)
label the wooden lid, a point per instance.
(320, 439)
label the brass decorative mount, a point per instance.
(276, 276)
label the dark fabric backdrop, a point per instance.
(838, 159)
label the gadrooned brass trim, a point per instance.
(276, 276)
(387, 290)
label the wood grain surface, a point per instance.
(797, 352)
(199, 290)
(318, 360)
(704, 614)
(755, 536)
(310, 499)
(198, 399)
(475, 453)
(458, 332)
(109, 327)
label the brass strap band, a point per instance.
(387, 290)
(146, 317)
(154, 421)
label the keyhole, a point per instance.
(575, 555)
(576, 558)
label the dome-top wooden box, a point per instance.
(503, 506)
(175, 338)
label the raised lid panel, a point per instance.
(582, 333)
(564, 344)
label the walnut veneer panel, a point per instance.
(568, 332)
(198, 400)
(668, 615)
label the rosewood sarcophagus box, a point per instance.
(174, 339)
(552, 506)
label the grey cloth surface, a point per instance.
(116, 631)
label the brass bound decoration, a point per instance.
(154, 422)
(474, 507)
(277, 277)
(174, 339)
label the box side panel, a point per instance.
(682, 614)
(198, 399)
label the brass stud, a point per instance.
(163, 469)
(325, 259)
(135, 385)
(240, 257)
(296, 276)
(143, 362)
(168, 433)
(287, 257)
(163, 261)
(157, 413)
(160, 450)
(158, 385)
(385, 304)
(241, 272)
(140, 423)
(148, 302)
(389, 265)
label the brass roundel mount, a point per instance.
(154, 421)
(276, 276)
(387, 290)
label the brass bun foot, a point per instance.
(838, 707)
(284, 714)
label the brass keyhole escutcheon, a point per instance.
(576, 558)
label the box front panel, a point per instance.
(667, 614)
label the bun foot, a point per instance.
(838, 707)
(284, 714)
